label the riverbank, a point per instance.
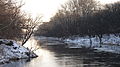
(11, 50)
(110, 43)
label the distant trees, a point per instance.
(112, 17)
(71, 18)
(84, 17)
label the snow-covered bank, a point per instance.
(10, 50)
(110, 43)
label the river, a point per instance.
(50, 56)
(67, 58)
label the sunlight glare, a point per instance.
(34, 46)
(46, 8)
(45, 59)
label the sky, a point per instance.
(45, 8)
(48, 8)
(107, 1)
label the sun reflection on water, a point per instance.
(45, 57)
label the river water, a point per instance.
(68, 58)
(57, 56)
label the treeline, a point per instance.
(83, 17)
(15, 24)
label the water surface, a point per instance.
(68, 58)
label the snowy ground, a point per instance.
(111, 43)
(10, 50)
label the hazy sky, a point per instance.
(47, 8)
(108, 1)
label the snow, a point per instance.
(110, 43)
(13, 51)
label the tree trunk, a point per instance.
(100, 38)
(90, 41)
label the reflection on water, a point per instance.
(46, 59)
(62, 58)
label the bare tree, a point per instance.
(10, 19)
(29, 28)
(73, 15)
(14, 24)
(80, 7)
